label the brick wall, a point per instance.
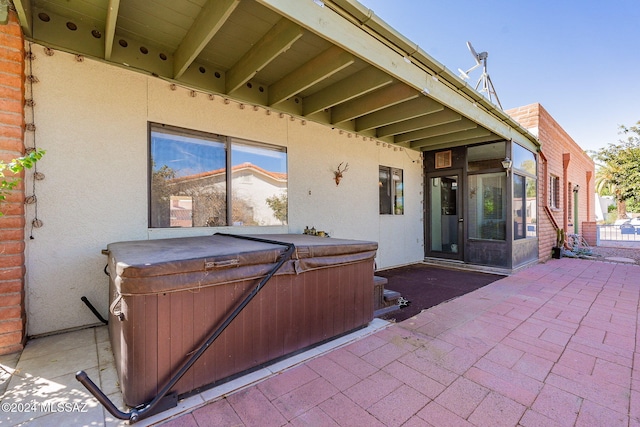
(561, 157)
(12, 313)
(590, 232)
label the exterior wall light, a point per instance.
(506, 164)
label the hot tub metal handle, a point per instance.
(155, 406)
(116, 307)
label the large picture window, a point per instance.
(487, 213)
(191, 184)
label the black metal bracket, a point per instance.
(164, 399)
(93, 310)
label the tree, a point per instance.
(161, 195)
(619, 168)
(605, 186)
(16, 166)
(278, 204)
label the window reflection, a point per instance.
(189, 180)
(391, 190)
(487, 206)
(523, 159)
(259, 184)
(524, 207)
(487, 156)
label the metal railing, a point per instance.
(618, 233)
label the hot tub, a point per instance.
(168, 295)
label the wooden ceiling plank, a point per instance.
(206, 25)
(433, 131)
(358, 84)
(435, 119)
(277, 40)
(322, 66)
(372, 102)
(110, 27)
(407, 110)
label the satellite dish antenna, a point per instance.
(487, 86)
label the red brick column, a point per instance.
(12, 224)
(590, 232)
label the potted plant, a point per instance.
(556, 251)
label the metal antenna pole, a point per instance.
(485, 80)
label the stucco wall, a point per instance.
(92, 120)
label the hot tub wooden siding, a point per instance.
(294, 311)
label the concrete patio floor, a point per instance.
(552, 345)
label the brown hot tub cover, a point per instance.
(167, 295)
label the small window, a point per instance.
(569, 201)
(390, 181)
(554, 192)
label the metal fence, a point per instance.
(618, 233)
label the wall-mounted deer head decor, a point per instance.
(338, 173)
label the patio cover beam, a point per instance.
(110, 27)
(427, 144)
(276, 41)
(463, 136)
(319, 68)
(416, 107)
(431, 132)
(329, 25)
(358, 84)
(435, 119)
(374, 101)
(23, 9)
(214, 13)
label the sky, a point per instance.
(188, 155)
(579, 59)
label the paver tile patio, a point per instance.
(552, 345)
(556, 344)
